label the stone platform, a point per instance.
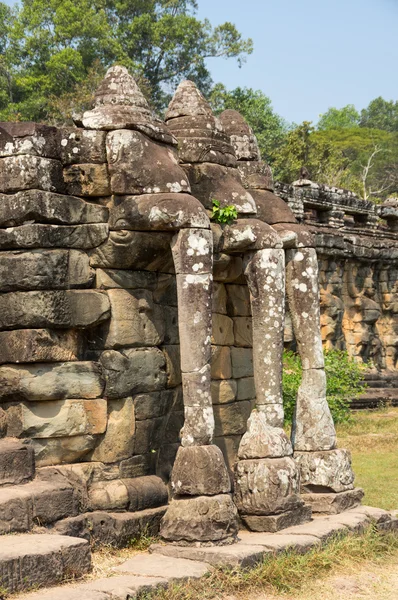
(166, 563)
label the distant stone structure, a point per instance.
(136, 393)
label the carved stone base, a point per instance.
(273, 523)
(333, 504)
(210, 520)
(325, 471)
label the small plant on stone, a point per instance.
(344, 383)
(224, 215)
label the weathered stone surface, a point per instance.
(332, 503)
(313, 428)
(3, 423)
(153, 565)
(53, 236)
(124, 586)
(118, 440)
(248, 234)
(81, 146)
(136, 320)
(22, 506)
(262, 440)
(137, 494)
(242, 137)
(242, 362)
(274, 413)
(243, 332)
(221, 362)
(246, 389)
(201, 519)
(119, 104)
(134, 250)
(223, 391)
(232, 556)
(51, 381)
(157, 404)
(24, 172)
(133, 371)
(198, 412)
(165, 292)
(229, 446)
(36, 560)
(200, 471)
(222, 332)
(106, 279)
(138, 165)
(108, 495)
(56, 451)
(116, 529)
(17, 462)
(87, 180)
(34, 139)
(273, 523)
(59, 418)
(219, 298)
(172, 335)
(256, 175)
(227, 268)
(38, 345)
(267, 486)
(231, 419)
(211, 181)
(328, 471)
(173, 365)
(193, 251)
(44, 269)
(46, 207)
(238, 300)
(323, 529)
(281, 542)
(271, 208)
(70, 308)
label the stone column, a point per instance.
(327, 480)
(202, 510)
(266, 476)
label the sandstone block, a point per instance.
(59, 418)
(200, 471)
(231, 419)
(201, 519)
(328, 471)
(333, 503)
(267, 486)
(146, 492)
(133, 371)
(44, 270)
(138, 165)
(243, 332)
(108, 495)
(69, 308)
(53, 236)
(152, 565)
(238, 300)
(87, 180)
(223, 391)
(34, 139)
(150, 435)
(246, 389)
(157, 404)
(131, 280)
(51, 381)
(222, 332)
(24, 172)
(229, 446)
(221, 362)
(57, 451)
(166, 290)
(262, 440)
(219, 298)
(81, 146)
(170, 315)
(273, 523)
(232, 556)
(118, 440)
(227, 268)
(38, 345)
(173, 365)
(242, 362)
(46, 207)
(136, 320)
(17, 462)
(192, 251)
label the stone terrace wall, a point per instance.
(357, 246)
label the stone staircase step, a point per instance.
(35, 503)
(152, 565)
(32, 560)
(17, 462)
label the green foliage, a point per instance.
(343, 118)
(224, 215)
(380, 114)
(48, 48)
(269, 128)
(344, 382)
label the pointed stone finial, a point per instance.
(242, 137)
(120, 104)
(200, 134)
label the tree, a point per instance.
(342, 118)
(380, 114)
(55, 43)
(269, 128)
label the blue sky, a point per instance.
(311, 54)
